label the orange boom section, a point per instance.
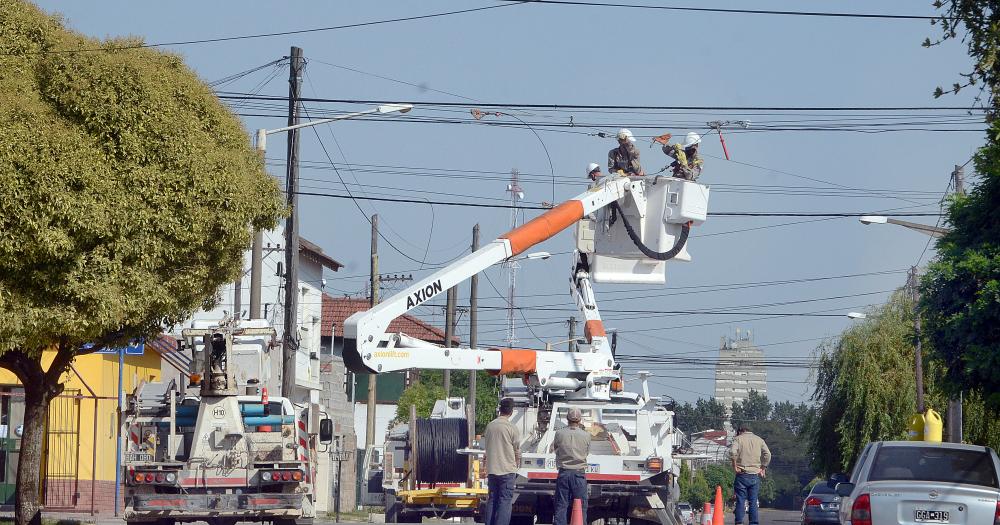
(594, 329)
(544, 226)
(515, 362)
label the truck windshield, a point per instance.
(941, 464)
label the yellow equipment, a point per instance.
(933, 426)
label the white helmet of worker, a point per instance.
(593, 166)
(692, 139)
(625, 134)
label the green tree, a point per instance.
(430, 388)
(720, 475)
(980, 20)
(694, 488)
(129, 194)
(865, 385)
(705, 414)
(960, 292)
(755, 407)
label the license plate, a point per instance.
(931, 516)
(830, 506)
(137, 457)
(593, 468)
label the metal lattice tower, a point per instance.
(516, 196)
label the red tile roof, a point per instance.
(337, 309)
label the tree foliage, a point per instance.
(128, 194)
(865, 385)
(430, 388)
(755, 407)
(705, 414)
(980, 20)
(960, 292)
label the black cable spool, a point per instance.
(438, 442)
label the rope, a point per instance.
(438, 460)
(647, 251)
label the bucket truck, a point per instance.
(627, 229)
(223, 450)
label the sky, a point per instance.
(557, 55)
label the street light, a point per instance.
(538, 255)
(856, 315)
(933, 231)
(291, 236)
(383, 109)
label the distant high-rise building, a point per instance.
(739, 370)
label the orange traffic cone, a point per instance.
(717, 516)
(577, 517)
(706, 515)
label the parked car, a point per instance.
(907, 482)
(687, 514)
(821, 506)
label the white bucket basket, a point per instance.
(657, 208)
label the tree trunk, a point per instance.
(27, 507)
(40, 386)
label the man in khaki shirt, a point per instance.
(750, 459)
(571, 445)
(503, 457)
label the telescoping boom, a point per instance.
(633, 219)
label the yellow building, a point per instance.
(81, 431)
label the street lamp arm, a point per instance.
(933, 231)
(387, 108)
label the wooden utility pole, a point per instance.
(473, 341)
(449, 332)
(918, 361)
(372, 378)
(955, 417)
(290, 343)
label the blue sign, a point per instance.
(134, 348)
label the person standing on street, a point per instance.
(503, 456)
(571, 445)
(750, 459)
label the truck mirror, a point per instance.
(326, 431)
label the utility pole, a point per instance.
(449, 331)
(473, 341)
(918, 362)
(372, 378)
(955, 417)
(238, 296)
(571, 346)
(290, 344)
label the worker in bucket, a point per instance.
(571, 445)
(594, 171)
(687, 163)
(503, 456)
(625, 158)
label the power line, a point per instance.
(264, 35)
(717, 214)
(225, 95)
(824, 14)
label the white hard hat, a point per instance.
(592, 166)
(691, 139)
(625, 134)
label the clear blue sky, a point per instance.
(607, 56)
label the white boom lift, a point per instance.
(636, 224)
(628, 227)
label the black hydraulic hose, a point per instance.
(646, 250)
(438, 442)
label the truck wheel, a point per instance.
(522, 520)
